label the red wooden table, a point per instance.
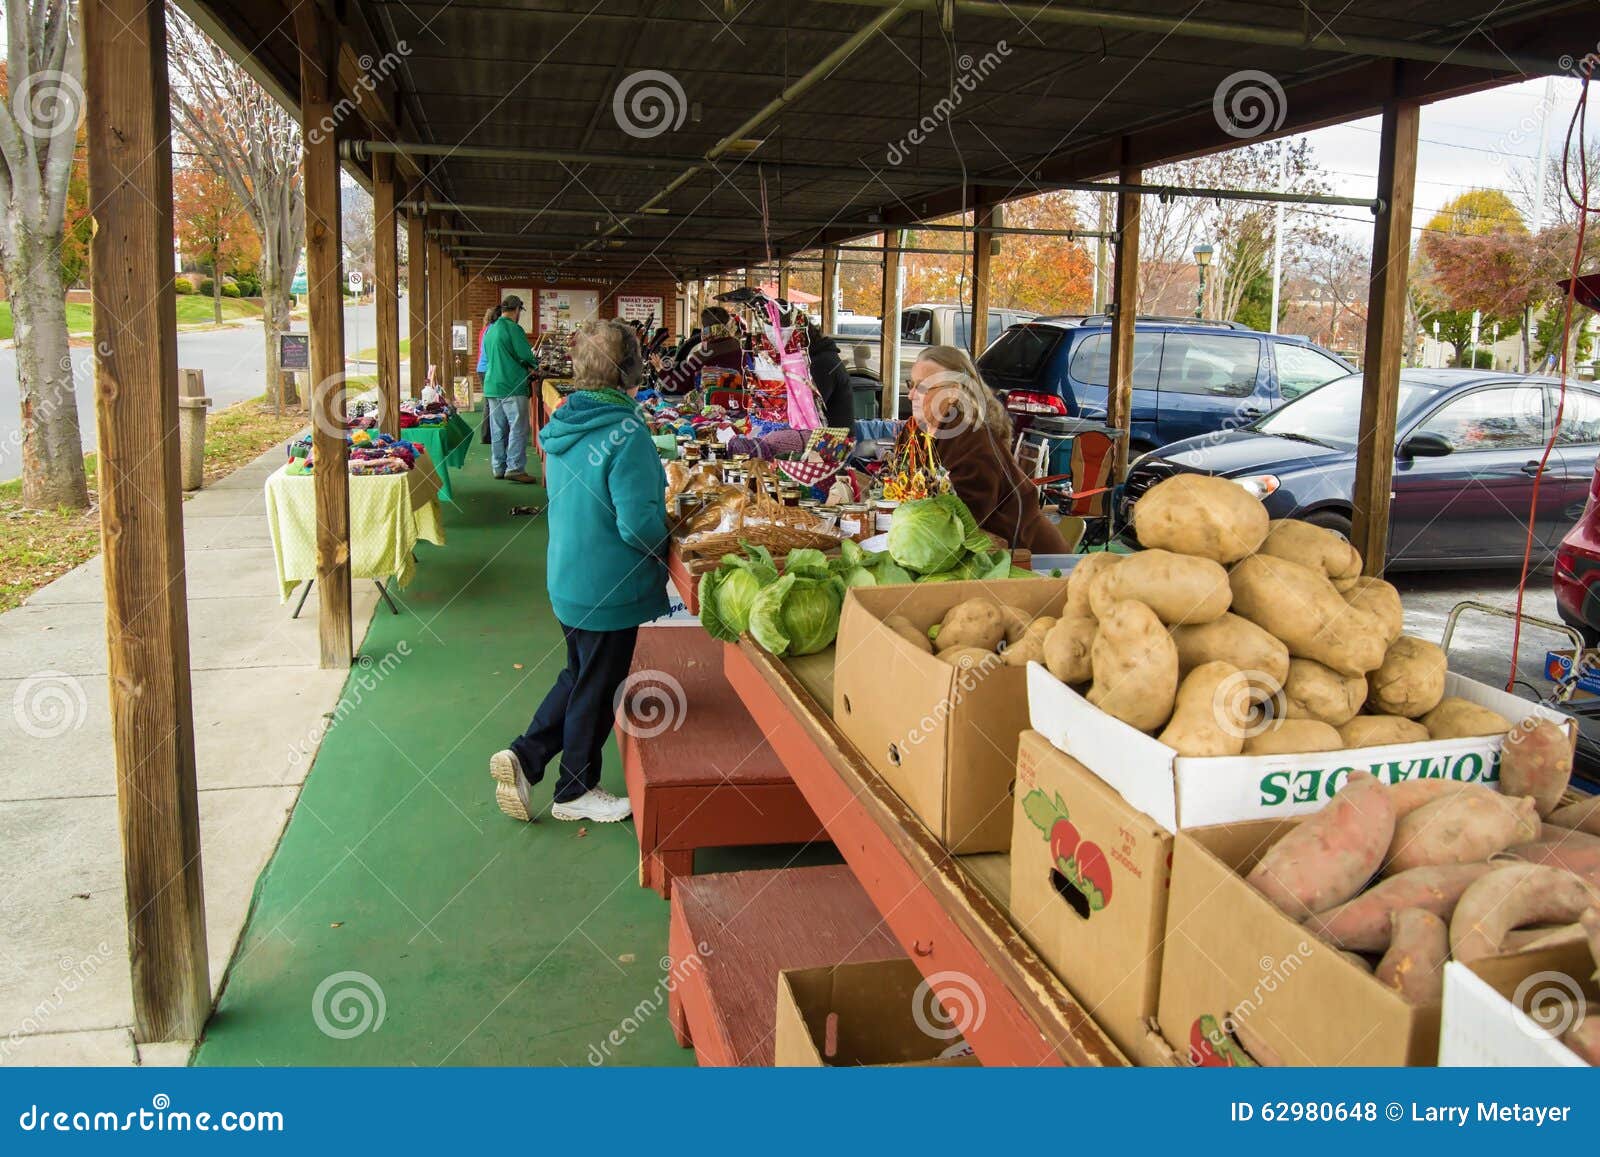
(954, 930)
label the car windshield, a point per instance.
(1331, 414)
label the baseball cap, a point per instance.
(510, 302)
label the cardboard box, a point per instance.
(1486, 1006)
(1230, 956)
(944, 737)
(1184, 792)
(1089, 885)
(876, 1012)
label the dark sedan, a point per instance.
(1468, 444)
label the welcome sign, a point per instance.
(1181, 792)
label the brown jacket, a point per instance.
(1005, 501)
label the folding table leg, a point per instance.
(305, 592)
(384, 591)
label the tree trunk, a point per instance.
(216, 293)
(275, 283)
(52, 446)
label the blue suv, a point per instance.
(1189, 376)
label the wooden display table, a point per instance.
(732, 933)
(947, 912)
(704, 778)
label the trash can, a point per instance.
(866, 396)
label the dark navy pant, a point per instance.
(578, 713)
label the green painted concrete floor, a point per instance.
(399, 887)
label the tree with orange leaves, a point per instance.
(212, 225)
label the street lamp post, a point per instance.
(1202, 259)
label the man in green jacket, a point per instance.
(508, 360)
(606, 572)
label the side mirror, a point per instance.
(1426, 444)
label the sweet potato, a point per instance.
(1515, 896)
(1202, 720)
(973, 623)
(1590, 922)
(1326, 858)
(1457, 718)
(1580, 860)
(1462, 827)
(1261, 656)
(1082, 578)
(1536, 760)
(1135, 666)
(1029, 646)
(1526, 939)
(1201, 515)
(1379, 599)
(1410, 794)
(1313, 691)
(1358, 960)
(1300, 606)
(1379, 730)
(1414, 964)
(1068, 648)
(1311, 546)
(1292, 736)
(1177, 587)
(1410, 680)
(1583, 816)
(907, 630)
(1362, 924)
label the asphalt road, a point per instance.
(234, 361)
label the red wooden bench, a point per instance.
(699, 775)
(730, 935)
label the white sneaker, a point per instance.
(596, 804)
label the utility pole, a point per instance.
(1277, 242)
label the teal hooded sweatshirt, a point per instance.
(607, 514)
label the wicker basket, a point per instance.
(762, 521)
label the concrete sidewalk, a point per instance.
(260, 705)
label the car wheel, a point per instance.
(1331, 520)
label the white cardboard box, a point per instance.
(1181, 792)
(1480, 1026)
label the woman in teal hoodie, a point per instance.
(606, 574)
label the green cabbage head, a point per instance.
(933, 535)
(798, 614)
(726, 594)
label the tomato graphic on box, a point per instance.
(1211, 1048)
(1080, 862)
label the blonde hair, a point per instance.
(960, 371)
(606, 355)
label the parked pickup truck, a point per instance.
(921, 326)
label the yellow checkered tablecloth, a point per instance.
(389, 513)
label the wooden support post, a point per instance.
(417, 299)
(1386, 332)
(438, 288)
(386, 291)
(783, 280)
(141, 513)
(982, 249)
(1124, 313)
(324, 281)
(889, 334)
(830, 289)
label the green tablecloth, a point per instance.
(447, 445)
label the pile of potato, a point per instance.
(1399, 879)
(980, 633)
(1232, 634)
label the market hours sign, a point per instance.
(646, 310)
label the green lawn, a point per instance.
(192, 310)
(371, 352)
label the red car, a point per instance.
(1577, 577)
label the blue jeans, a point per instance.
(508, 433)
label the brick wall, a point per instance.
(482, 292)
